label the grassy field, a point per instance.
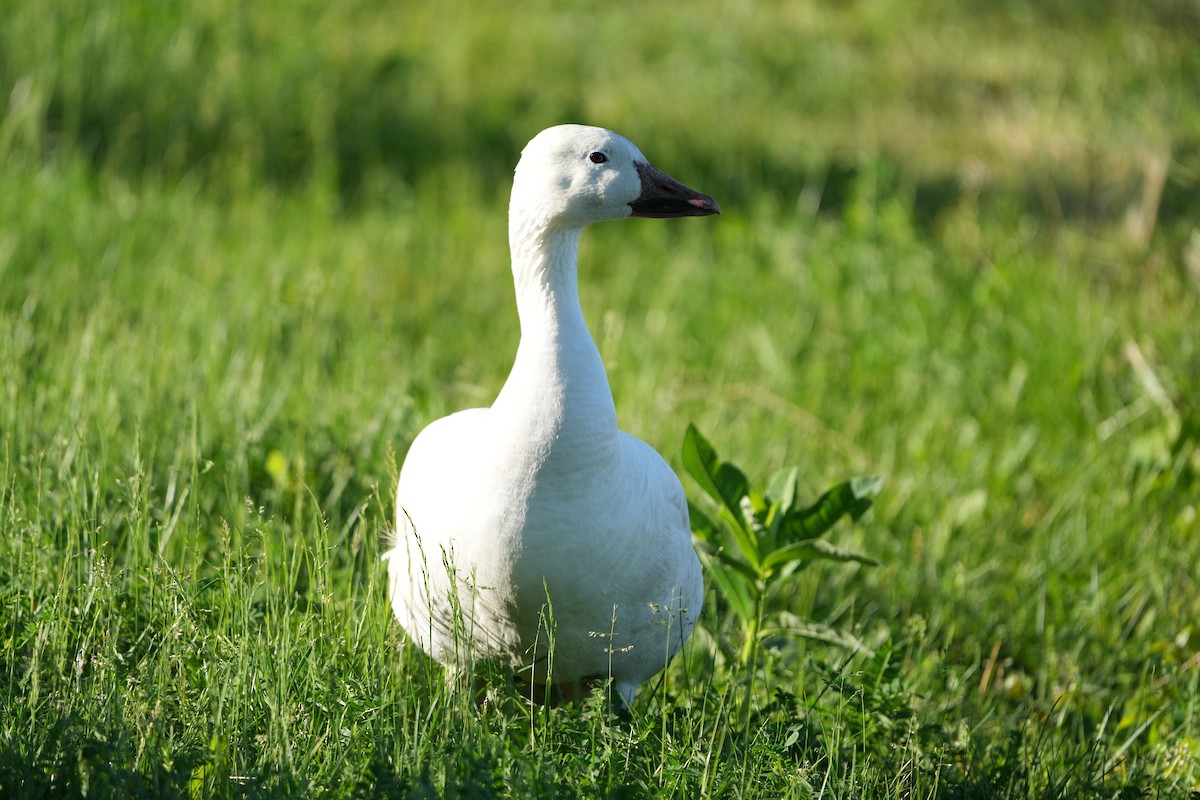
(247, 251)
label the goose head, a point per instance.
(572, 175)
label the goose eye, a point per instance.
(597, 157)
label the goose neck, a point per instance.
(558, 383)
(545, 274)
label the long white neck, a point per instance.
(556, 400)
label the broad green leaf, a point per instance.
(720, 480)
(703, 526)
(698, 455)
(733, 485)
(723, 482)
(812, 550)
(852, 497)
(782, 488)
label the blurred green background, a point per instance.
(1078, 99)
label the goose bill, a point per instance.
(662, 197)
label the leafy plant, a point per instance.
(761, 538)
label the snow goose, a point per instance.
(536, 533)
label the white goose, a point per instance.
(537, 521)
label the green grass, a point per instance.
(248, 252)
